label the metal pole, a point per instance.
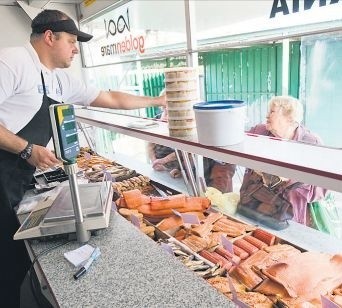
(199, 171)
(86, 136)
(82, 234)
(190, 26)
(184, 175)
(188, 169)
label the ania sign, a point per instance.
(285, 7)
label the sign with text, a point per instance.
(136, 28)
(127, 31)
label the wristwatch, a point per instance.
(27, 152)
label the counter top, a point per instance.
(132, 271)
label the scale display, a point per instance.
(64, 131)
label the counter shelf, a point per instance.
(158, 177)
(310, 164)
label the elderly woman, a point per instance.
(283, 121)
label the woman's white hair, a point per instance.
(290, 106)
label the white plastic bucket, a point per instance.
(220, 123)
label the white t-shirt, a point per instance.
(21, 89)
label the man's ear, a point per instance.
(49, 37)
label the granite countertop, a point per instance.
(132, 271)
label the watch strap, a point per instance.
(27, 152)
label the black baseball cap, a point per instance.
(65, 25)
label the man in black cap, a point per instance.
(31, 79)
(57, 21)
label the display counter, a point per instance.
(300, 235)
(294, 160)
(132, 271)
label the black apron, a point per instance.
(15, 175)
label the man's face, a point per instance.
(64, 49)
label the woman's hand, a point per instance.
(159, 164)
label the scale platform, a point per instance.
(55, 214)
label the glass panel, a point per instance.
(252, 74)
(215, 19)
(230, 23)
(134, 30)
(312, 206)
(321, 89)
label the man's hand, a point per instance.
(42, 158)
(161, 100)
(121, 100)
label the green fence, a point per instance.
(153, 84)
(154, 80)
(252, 74)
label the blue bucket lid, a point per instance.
(224, 104)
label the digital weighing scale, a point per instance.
(63, 213)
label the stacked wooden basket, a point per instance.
(181, 85)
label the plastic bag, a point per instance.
(327, 215)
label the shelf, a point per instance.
(147, 170)
(310, 164)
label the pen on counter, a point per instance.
(95, 254)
